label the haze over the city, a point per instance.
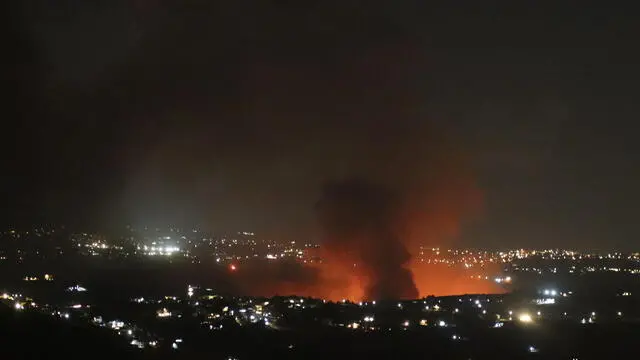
(505, 128)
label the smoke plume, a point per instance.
(362, 226)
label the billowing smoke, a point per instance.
(328, 101)
(362, 225)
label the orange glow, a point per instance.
(337, 282)
(334, 281)
(441, 280)
(232, 267)
(433, 209)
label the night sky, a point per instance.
(231, 115)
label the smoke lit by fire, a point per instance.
(371, 239)
(362, 227)
(385, 189)
(372, 230)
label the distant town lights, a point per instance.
(76, 288)
(163, 313)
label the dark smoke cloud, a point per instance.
(362, 225)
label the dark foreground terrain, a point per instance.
(34, 335)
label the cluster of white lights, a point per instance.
(162, 313)
(116, 324)
(166, 251)
(546, 301)
(76, 288)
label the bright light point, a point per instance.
(554, 293)
(18, 306)
(423, 322)
(533, 349)
(163, 313)
(455, 337)
(593, 314)
(77, 288)
(174, 346)
(507, 279)
(619, 313)
(546, 301)
(129, 332)
(442, 323)
(406, 323)
(546, 292)
(525, 318)
(232, 267)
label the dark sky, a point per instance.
(231, 115)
